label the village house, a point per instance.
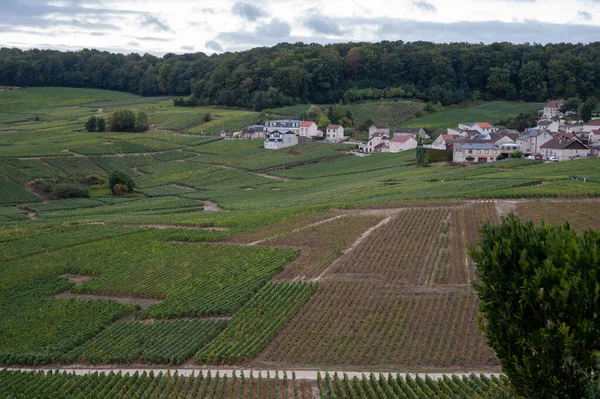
(282, 125)
(443, 141)
(411, 132)
(592, 125)
(593, 137)
(481, 127)
(506, 136)
(276, 140)
(564, 149)
(402, 143)
(335, 133)
(253, 132)
(308, 129)
(475, 152)
(532, 140)
(552, 109)
(377, 143)
(373, 130)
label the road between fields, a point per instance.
(309, 375)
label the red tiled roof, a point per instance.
(335, 127)
(593, 123)
(555, 103)
(447, 137)
(400, 139)
(595, 132)
(484, 125)
(307, 124)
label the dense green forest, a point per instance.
(290, 73)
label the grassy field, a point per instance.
(489, 112)
(227, 253)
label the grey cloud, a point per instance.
(154, 22)
(248, 11)
(584, 15)
(424, 5)
(151, 39)
(322, 24)
(39, 16)
(133, 43)
(276, 28)
(187, 48)
(485, 32)
(213, 45)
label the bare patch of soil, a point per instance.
(210, 206)
(276, 178)
(143, 303)
(77, 279)
(30, 186)
(505, 207)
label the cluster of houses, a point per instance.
(381, 139)
(552, 139)
(286, 133)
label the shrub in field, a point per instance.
(69, 190)
(118, 177)
(516, 154)
(540, 294)
(120, 189)
(122, 121)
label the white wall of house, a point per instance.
(588, 128)
(309, 131)
(540, 140)
(460, 154)
(374, 142)
(409, 144)
(287, 140)
(439, 143)
(374, 129)
(335, 135)
(565, 155)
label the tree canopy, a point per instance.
(289, 73)
(540, 299)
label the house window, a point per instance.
(479, 151)
(487, 151)
(470, 151)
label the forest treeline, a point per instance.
(291, 73)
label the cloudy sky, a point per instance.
(179, 26)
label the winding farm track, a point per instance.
(310, 375)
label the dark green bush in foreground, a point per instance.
(540, 297)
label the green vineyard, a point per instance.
(256, 323)
(259, 385)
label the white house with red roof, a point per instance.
(481, 127)
(335, 133)
(378, 143)
(308, 129)
(552, 109)
(402, 143)
(442, 141)
(592, 125)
